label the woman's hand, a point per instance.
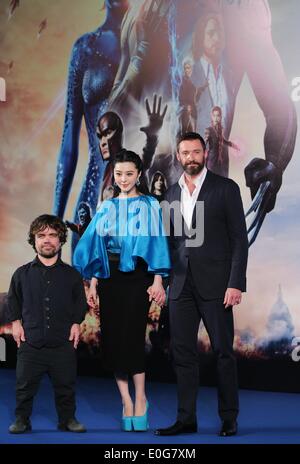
(92, 293)
(157, 292)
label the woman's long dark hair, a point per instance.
(155, 177)
(127, 156)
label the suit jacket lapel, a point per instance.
(204, 193)
(177, 197)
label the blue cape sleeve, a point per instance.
(90, 255)
(148, 242)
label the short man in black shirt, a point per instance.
(46, 305)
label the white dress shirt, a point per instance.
(188, 200)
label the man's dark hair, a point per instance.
(47, 220)
(199, 30)
(190, 136)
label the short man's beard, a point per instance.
(194, 169)
(50, 254)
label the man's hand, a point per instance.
(74, 334)
(18, 332)
(156, 119)
(233, 297)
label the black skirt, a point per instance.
(124, 306)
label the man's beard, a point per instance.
(50, 254)
(194, 169)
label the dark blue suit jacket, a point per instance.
(221, 260)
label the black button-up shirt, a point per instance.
(48, 300)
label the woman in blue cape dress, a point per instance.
(124, 253)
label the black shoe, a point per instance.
(72, 425)
(229, 428)
(20, 425)
(176, 429)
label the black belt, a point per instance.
(113, 256)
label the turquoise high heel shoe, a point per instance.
(141, 423)
(126, 423)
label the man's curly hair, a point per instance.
(47, 220)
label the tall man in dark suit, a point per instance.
(206, 280)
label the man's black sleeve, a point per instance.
(14, 298)
(238, 237)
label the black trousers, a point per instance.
(186, 313)
(60, 364)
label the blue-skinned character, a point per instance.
(94, 62)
